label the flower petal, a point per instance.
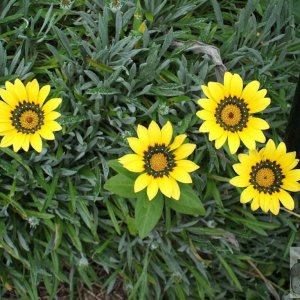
(32, 89)
(135, 166)
(179, 139)
(250, 89)
(286, 199)
(128, 158)
(36, 142)
(166, 134)
(51, 105)
(165, 186)
(175, 189)
(240, 181)
(181, 175)
(233, 142)
(152, 189)
(187, 165)
(184, 151)
(227, 83)
(154, 133)
(236, 86)
(142, 182)
(136, 145)
(20, 90)
(43, 94)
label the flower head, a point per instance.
(161, 162)
(267, 175)
(25, 118)
(227, 112)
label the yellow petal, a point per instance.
(208, 104)
(259, 105)
(227, 83)
(265, 202)
(136, 145)
(179, 139)
(53, 125)
(216, 132)
(220, 141)
(51, 105)
(51, 116)
(233, 142)
(207, 126)
(9, 98)
(6, 126)
(216, 91)
(236, 86)
(43, 94)
(154, 133)
(8, 139)
(136, 166)
(181, 175)
(152, 189)
(128, 158)
(291, 186)
(166, 134)
(32, 89)
(274, 205)
(187, 165)
(184, 151)
(250, 89)
(20, 90)
(255, 203)
(286, 200)
(293, 175)
(258, 123)
(26, 142)
(18, 141)
(205, 115)
(248, 142)
(36, 142)
(165, 186)
(142, 133)
(175, 189)
(240, 181)
(248, 194)
(142, 182)
(46, 133)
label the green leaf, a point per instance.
(188, 203)
(147, 213)
(121, 185)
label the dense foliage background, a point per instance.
(60, 227)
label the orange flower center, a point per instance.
(231, 115)
(265, 177)
(158, 162)
(29, 119)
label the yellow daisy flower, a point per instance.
(267, 175)
(161, 162)
(227, 112)
(24, 117)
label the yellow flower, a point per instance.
(267, 175)
(161, 162)
(24, 117)
(227, 112)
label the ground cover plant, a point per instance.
(69, 226)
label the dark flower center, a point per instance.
(232, 114)
(158, 161)
(27, 117)
(266, 176)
